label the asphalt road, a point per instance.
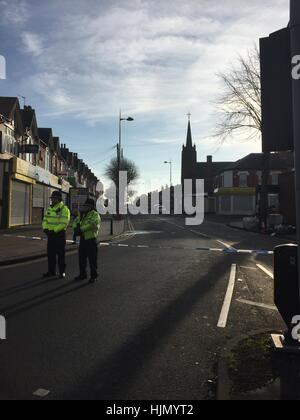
(148, 329)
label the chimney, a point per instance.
(209, 159)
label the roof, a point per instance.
(27, 115)
(254, 161)
(189, 138)
(46, 136)
(8, 106)
(211, 170)
(10, 109)
(56, 144)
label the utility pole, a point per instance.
(295, 44)
(120, 156)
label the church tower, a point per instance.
(189, 157)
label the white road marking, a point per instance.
(244, 251)
(228, 298)
(41, 393)
(224, 244)
(259, 305)
(265, 270)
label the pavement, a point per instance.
(240, 225)
(169, 301)
(29, 242)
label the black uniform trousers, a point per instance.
(88, 251)
(57, 252)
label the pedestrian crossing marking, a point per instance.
(257, 304)
(265, 270)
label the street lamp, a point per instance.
(121, 119)
(171, 164)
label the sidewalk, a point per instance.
(30, 243)
(251, 370)
(240, 226)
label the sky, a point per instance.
(78, 62)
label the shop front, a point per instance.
(20, 194)
(46, 183)
(25, 192)
(236, 201)
(29, 193)
(5, 171)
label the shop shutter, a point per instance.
(243, 204)
(38, 196)
(226, 204)
(20, 205)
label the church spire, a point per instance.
(189, 139)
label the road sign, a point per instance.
(78, 197)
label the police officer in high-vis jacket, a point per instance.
(87, 226)
(55, 224)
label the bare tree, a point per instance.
(126, 165)
(240, 109)
(240, 104)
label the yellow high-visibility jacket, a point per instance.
(57, 218)
(89, 225)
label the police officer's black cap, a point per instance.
(56, 194)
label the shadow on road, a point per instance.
(23, 288)
(38, 300)
(114, 376)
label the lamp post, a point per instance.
(295, 44)
(171, 171)
(120, 155)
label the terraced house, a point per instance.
(33, 164)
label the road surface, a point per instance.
(154, 325)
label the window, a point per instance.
(47, 162)
(243, 180)
(8, 140)
(274, 202)
(275, 179)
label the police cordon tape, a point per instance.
(227, 250)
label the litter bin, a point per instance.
(286, 283)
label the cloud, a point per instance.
(158, 59)
(32, 43)
(14, 12)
